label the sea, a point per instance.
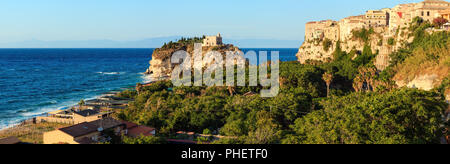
(37, 81)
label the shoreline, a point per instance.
(31, 120)
(146, 79)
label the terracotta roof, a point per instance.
(9, 140)
(85, 128)
(188, 133)
(140, 130)
(129, 124)
(107, 123)
(80, 129)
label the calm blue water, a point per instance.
(36, 81)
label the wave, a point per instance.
(24, 111)
(14, 101)
(52, 102)
(52, 105)
(4, 124)
(111, 73)
(147, 78)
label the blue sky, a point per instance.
(121, 20)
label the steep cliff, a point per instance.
(161, 65)
(418, 55)
(322, 48)
(380, 40)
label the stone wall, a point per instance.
(55, 120)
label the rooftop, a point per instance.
(79, 130)
(129, 124)
(91, 127)
(140, 130)
(87, 112)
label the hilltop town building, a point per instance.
(320, 30)
(347, 25)
(445, 14)
(377, 18)
(212, 40)
(398, 17)
(401, 15)
(429, 9)
(387, 21)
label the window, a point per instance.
(423, 14)
(428, 13)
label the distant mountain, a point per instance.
(146, 43)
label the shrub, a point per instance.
(391, 41)
(327, 44)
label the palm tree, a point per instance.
(328, 78)
(81, 104)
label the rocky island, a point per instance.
(161, 66)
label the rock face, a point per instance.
(389, 25)
(385, 31)
(322, 48)
(161, 65)
(424, 82)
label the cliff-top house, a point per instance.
(211, 41)
(374, 18)
(429, 9)
(445, 14)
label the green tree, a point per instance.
(267, 131)
(406, 116)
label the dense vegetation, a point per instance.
(301, 113)
(182, 42)
(363, 34)
(398, 117)
(427, 53)
(344, 101)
